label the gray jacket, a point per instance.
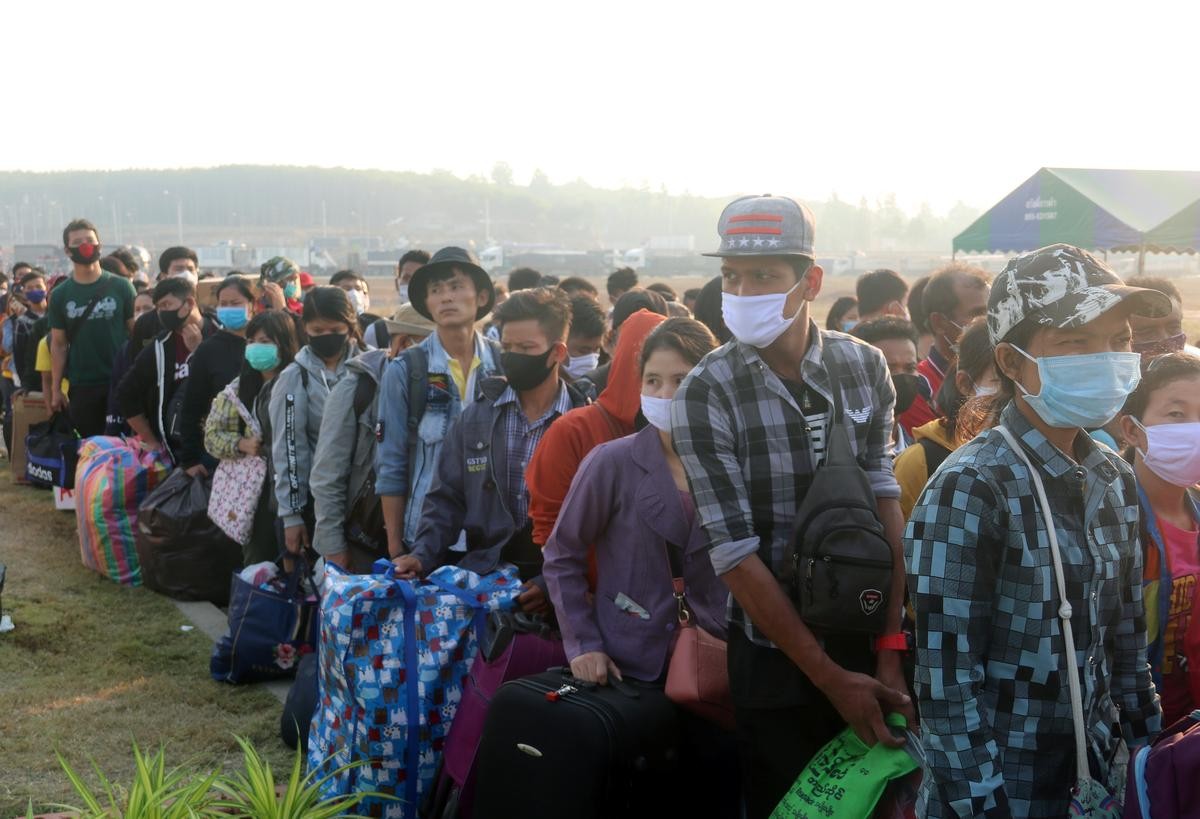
(295, 422)
(345, 452)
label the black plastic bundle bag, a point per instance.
(182, 552)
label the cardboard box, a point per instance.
(206, 292)
(64, 499)
(28, 410)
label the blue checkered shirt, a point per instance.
(995, 707)
(521, 437)
(750, 452)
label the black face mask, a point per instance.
(85, 253)
(524, 372)
(328, 345)
(171, 320)
(908, 387)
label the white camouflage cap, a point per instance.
(1062, 286)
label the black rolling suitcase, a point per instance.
(556, 747)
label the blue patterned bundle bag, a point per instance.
(393, 657)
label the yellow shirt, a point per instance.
(43, 364)
(461, 380)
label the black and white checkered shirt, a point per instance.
(749, 451)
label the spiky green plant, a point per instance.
(154, 793)
(251, 792)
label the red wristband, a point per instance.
(900, 641)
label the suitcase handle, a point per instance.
(620, 686)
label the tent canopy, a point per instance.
(1098, 209)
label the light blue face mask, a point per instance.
(1082, 390)
(849, 325)
(232, 318)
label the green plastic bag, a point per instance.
(846, 779)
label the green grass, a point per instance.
(93, 667)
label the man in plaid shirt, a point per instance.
(749, 426)
(997, 721)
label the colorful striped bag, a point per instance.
(112, 479)
(393, 659)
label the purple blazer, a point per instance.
(624, 501)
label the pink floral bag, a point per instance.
(238, 484)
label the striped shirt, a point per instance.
(749, 450)
(994, 703)
(522, 437)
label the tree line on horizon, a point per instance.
(284, 204)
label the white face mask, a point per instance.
(1173, 452)
(985, 391)
(190, 275)
(580, 365)
(758, 320)
(657, 411)
(402, 289)
(358, 301)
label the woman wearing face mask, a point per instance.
(1031, 635)
(215, 363)
(630, 499)
(298, 402)
(1162, 423)
(843, 315)
(973, 378)
(270, 347)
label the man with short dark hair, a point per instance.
(881, 292)
(1153, 337)
(578, 286)
(953, 297)
(482, 489)
(620, 282)
(897, 339)
(128, 265)
(359, 293)
(90, 317)
(151, 393)
(453, 292)
(750, 426)
(665, 290)
(586, 338)
(410, 263)
(179, 261)
(523, 278)
(593, 382)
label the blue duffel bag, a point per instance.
(269, 629)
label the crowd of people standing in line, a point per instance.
(524, 423)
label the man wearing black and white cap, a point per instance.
(749, 424)
(995, 671)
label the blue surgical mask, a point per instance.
(292, 291)
(232, 318)
(1082, 390)
(849, 325)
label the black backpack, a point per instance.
(364, 524)
(841, 558)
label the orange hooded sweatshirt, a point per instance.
(569, 439)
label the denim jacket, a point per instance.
(409, 474)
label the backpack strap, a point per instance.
(837, 440)
(364, 394)
(417, 358)
(613, 426)
(935, 454)
(383, 338)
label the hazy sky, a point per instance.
(932, 101)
